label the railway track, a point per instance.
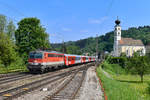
(14, 78)
(18, 91)
(12, 83)
(12, 75)
(70, 88)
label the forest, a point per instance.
(105, 42)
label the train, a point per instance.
(41, 61)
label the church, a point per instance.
(126, 45)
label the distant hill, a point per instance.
(106, 41)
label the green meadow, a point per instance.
(120, 85)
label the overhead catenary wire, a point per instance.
(12, 9)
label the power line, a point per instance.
(12, 8)
(109, 7)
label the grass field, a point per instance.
(134, 82)
(123, 86)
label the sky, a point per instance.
(71, 20)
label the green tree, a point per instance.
(63, 48)
(8, 55)
(139, 65)
(3, 22)
(30, 35)
(11, 29)
(73, 50)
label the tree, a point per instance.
(73, 50)
(3, 22)
(11, 29)
(139, 65)
(63, 48)
(30, 35)
(8, 55)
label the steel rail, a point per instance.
(51, 97)
(39, 84)
(80, 84)
(13, 79)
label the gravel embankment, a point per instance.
(91, 89)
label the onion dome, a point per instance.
(117, 22)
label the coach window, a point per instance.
(50, 55)
(70, 58)
(77, 58)
(54, 55)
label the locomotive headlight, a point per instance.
(42, 63)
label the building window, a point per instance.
(127, 52)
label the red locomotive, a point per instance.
(40, 61)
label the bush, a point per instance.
(113, 68)
(148, 88)
(118, 60)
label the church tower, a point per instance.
(117, 37)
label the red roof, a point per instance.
(130, 42)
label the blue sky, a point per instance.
(78, 19)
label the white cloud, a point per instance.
(97, 21)
(66, 29)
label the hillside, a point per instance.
(106, 41)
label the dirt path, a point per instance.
(91, 89)
(107, 74)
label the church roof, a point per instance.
(130, 42)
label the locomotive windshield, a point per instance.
(35, 55)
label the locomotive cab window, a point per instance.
(35, 55)
(51, 55)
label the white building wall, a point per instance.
(129, 50)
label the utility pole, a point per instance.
(64, 49)
(96, 49)
(63, 46)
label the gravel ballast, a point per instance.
(91, 89)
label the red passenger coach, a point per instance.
(90, 59)
(72, 59)
(69, 59)
(83, 59)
